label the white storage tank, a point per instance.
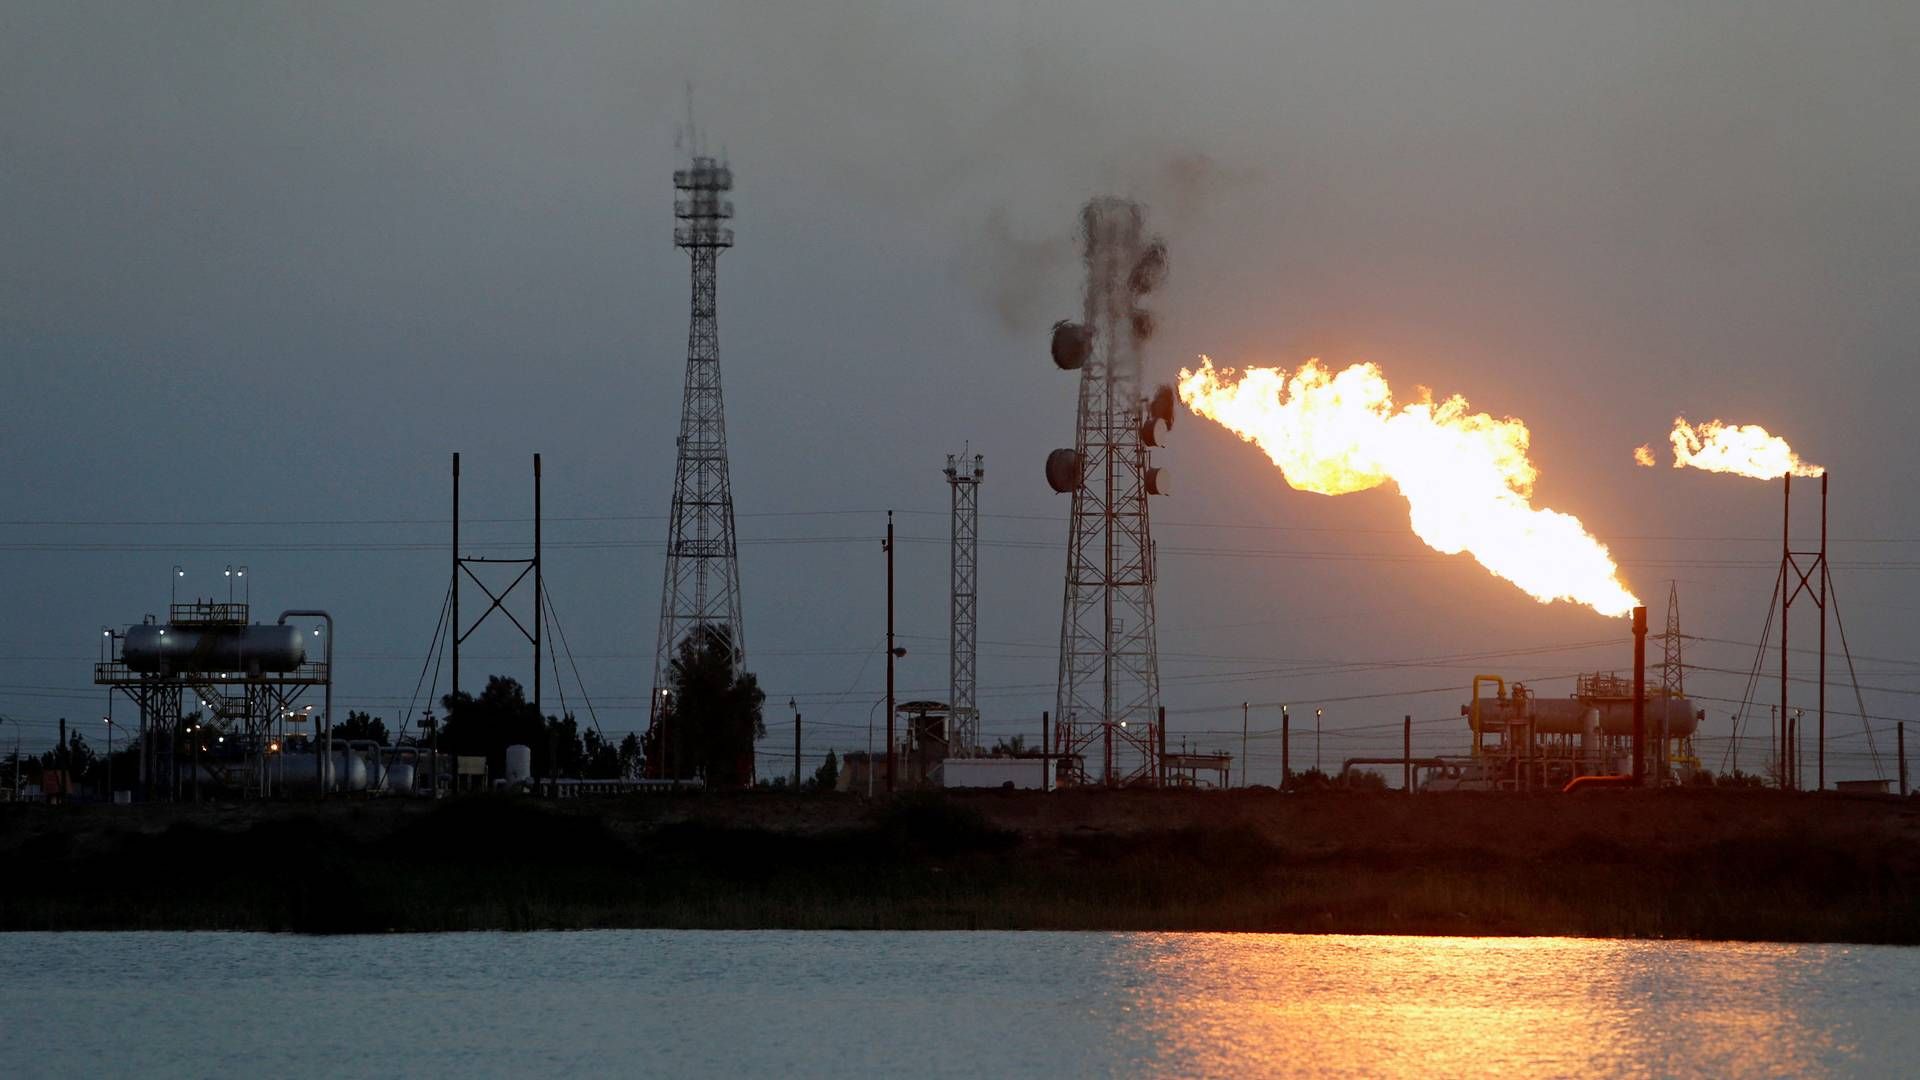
(993, 772)
(519, 764)
(400, 778)
(234, 649)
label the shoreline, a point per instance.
(1678, 864)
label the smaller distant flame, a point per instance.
(1643, 455)
(1741, 449)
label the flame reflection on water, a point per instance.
(1237, 1005)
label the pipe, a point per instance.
(1639, 696)
(1411, 762)
(1608, 780)
(327, 707)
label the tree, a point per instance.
(359, 725)
(1013, 747)
(485, 726)
(566, 756)
(600, 758)
(1306, 780)
(75, 758)
(1363, 780)
(630, 756)
(711, 717)
(827, 776)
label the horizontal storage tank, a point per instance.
(994, 772)
(249, 650)
(293, 770)
(1566, 716)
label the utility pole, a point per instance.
(539, 615)
(1406, 753)
(1899, 738)
(1800, 767)
(796, 743)
(1046, 754)
(1243, 744)
(1316, 743)
(890, 654)
(1286, 748)
(1160, 759)
(454, 623)
(1793, 740)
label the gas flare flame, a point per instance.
(1643, 455)
(1741, 449)
(1466, 476)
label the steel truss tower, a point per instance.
(1802, 572)
(1109, 686)
(963, 717)
(1673, 683)
(702, 586)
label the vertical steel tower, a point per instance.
(1673, 681)
(1109, 688)
(963, 717)
(702, 587)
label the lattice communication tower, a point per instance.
(702, 586)
(963, 718)
(1109, 687)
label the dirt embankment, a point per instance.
(1718, 864)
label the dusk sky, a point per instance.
(264, 266)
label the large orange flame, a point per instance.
(1466, 476)
(1741, 449)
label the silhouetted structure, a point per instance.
(1109, 688)
(702, 584)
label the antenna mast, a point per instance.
(701, 591)
(963, 717)
(1109, 688)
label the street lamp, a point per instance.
(1316, 740)
(666, 738)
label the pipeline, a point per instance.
(1608, 780)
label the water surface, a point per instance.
(946, 1004)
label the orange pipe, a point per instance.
(1580, 783)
